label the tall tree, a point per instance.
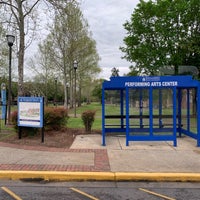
(163, 32)
(3, 54)
(70, 40)
(19, 15)
(41, 65)
(133, 71)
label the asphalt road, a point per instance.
(40, 190)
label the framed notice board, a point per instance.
(31, 111)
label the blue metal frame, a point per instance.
(160, 107)
(103, 119)
(127, 116)
(175, 83)
(198, 116)
(179, 111)
(174, 117)
(122, 107)
(28, 120)
(141, 109)
(188, 110)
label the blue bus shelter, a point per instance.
(151, 108)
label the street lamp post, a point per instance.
(10, 40)
(56, 90)
(75, 68)
(67, 87)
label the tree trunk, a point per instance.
(176, 70)
(21, 52)
(79, 96)
(65, 89)
(71, 90)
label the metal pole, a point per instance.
(9, 84)
(75, 95)
(67, 95)
(56, 88)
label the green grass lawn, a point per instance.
(77, 122)
(84, 107)
(112, 110)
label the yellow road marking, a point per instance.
(156, 194)
(12, 194)
(83, 193)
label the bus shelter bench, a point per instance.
(143, 125)
(140, 116)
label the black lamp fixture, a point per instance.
(56, 91)
(75, 65)
(10, 40)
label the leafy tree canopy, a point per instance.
(163, 33)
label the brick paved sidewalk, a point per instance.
(101, 161)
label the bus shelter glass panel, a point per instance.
(184, 108)
(193, 105)
(114, 108)
(189, 110)
(139, 111)
(162, 111)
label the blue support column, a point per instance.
(103, 117)
(179, 110)
(141, 108)
(127, 116)
(174, 116)
(188, 109)
(198, 115)
(122, 107)
(151, 110)
(160, 108)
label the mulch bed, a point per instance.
(54, 138)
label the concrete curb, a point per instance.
(99, 176)
(171, 177)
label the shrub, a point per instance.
(88, 119)
(55, 118)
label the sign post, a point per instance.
(31, 113)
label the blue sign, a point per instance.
(3, 101)
(31, 111)
(150, 81)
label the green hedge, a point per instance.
(55, 118)
(88, 118)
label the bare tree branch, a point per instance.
(8, 4)
(28, 12)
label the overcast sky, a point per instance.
(106, 19)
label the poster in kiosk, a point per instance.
(31, 113)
